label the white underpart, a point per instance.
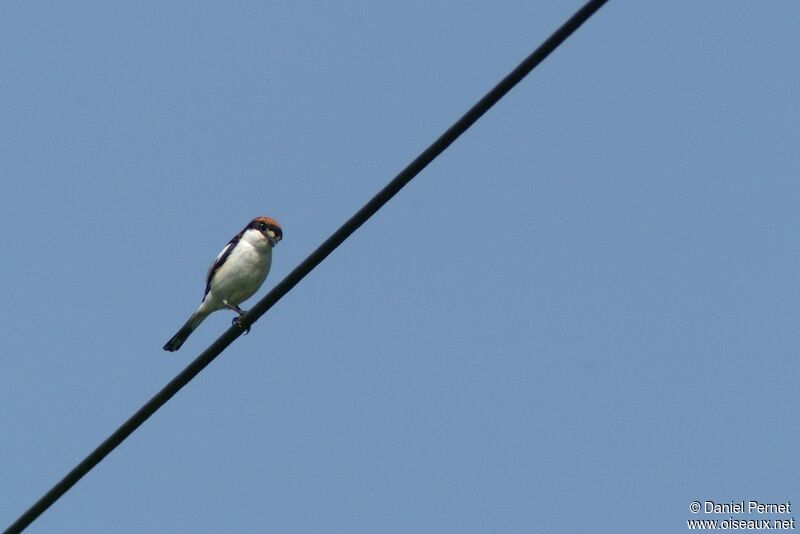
(241, 275)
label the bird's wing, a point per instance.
(220, 260)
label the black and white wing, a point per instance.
(220, 260)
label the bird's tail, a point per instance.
(178, 339)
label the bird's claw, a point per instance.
(237, 321)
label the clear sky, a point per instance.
(581, 318)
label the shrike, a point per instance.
(236, 274)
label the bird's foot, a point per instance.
(237, 321)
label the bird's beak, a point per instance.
(273, 238)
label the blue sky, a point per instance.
(580, 318)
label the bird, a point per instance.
(236, 274)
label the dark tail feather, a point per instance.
(178, 339)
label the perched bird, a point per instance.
(236, 274)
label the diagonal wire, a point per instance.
(316, 257)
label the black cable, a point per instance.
(316, 257)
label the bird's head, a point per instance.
(269, 227)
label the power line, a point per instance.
(307, 265)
